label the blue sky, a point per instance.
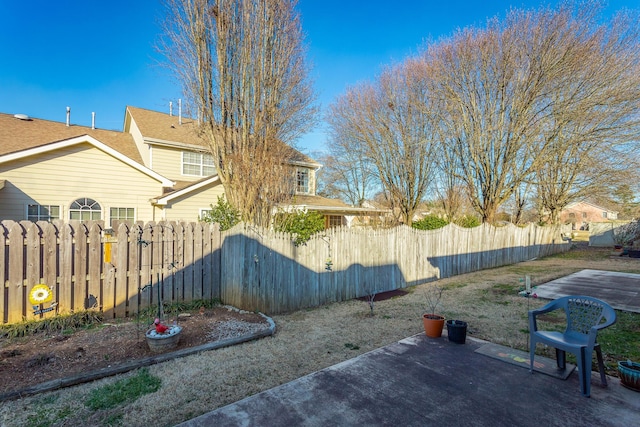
(98, 56)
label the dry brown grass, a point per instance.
(310, 340)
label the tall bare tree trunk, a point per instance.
(241, 64)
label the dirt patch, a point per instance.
(35, 359)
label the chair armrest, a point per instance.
(551, 306)
(533, 323)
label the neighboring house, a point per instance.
(579, 214)
(156, 169)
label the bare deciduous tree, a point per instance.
(241, 65)
(489, 114)
(592, 133)
(347, 175)
(541, 93)
(448, 185)
(391, 120)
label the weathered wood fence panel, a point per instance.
(343, 264)
(125, 270)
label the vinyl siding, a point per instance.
(167, 161)
(188, 207)
(132, 127)
(60, 177)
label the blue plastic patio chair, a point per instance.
(585, 317)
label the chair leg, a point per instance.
(584, 362)
(561, 359)
(532, 354)
(603, 376)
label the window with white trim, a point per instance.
(43, 212)
(604, 214)
(197, 164)
(122, 214)
(204, 213)
(335, 221)
(302, 185)
(85, 209)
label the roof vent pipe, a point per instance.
(68, 115)
(170, 108)
(93, 120)
(179, 111)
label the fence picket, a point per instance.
(80, 296)
(121, 288)
(94, 270)
(32, 262)
(188, 263)
(133, 271)
(16, 294)
(198, 255)
(3, 271)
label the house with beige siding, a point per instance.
(156, 169)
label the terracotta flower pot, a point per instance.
(433, 325)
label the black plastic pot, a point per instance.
(633, 253)
(457, 331)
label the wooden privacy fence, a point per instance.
(116, 271)
(263, 271)
(125, 270)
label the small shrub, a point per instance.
(468, 221)
(302, 224)
(430, 222)
(225, 215)
(64, 323)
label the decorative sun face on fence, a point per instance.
(40, 294)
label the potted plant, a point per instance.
(161, 337)
(432, 321)
(457, 331)
(629, 374)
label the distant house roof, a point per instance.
(574, 204)
(163, 128)
(20, 134)
(330, 205)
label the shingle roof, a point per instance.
(165, 127)
(322, 203)
(17, 135)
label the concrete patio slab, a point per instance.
(620, 290)
(422, 381)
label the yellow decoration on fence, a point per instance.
(40, 294)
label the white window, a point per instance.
(335, 221)
(122, 214)
(204, 213)
(43, 212)
(85, 209)
(604, 214)
(197, 164)
(302, 181)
